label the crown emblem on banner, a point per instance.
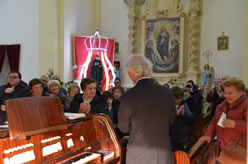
(96, 42)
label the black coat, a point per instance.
(20, 90)
(215, 100)
(98, 104)
(179, 129)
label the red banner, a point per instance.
(84, 45)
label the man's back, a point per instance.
(146, 111)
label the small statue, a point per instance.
(207, 78)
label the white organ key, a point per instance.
(6, 161)
(87, 159)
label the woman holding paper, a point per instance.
(230, 119)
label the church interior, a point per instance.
(185, 41)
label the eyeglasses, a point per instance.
(13, 77)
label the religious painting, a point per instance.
(222, 42)
(164, 43)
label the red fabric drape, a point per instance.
(81, 53)
(2, 56)
(13, 52)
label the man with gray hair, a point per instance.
(146, 111)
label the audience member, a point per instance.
(73, 89)
(112, 111)
(197, 96)
(233, 110)
(35, 87)
(146, 110)
(117, 82)
(54, 91)
(45, 79)
(189, 99)
(56, 77)
(117, 92)
(15, 88)
(89, 101)
(215, 96)
(179, 129)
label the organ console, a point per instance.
(38, 132)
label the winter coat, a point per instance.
(237, 111)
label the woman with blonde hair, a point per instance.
(234, 111)
(54, 91)
(73, 89)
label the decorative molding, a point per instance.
(133, 16)
(194, 36)
(128, 2)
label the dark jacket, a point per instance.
(64, 100)
(179, 130)
(98, 104)
(20, 90)
(215, 100)
(146, 110)
(197, 96)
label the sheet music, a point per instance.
(72, 116)
(221, 120)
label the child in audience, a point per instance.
(179, 129)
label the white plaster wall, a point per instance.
(114, 24)
(69, 30)
(20, 24)
(48, 36)
(77, 20)
(223, 16)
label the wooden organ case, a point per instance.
(38, 132)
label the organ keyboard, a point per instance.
(39, 133)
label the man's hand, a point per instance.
(227, 123)
(9, 90)
(3, 108)
(84, 108)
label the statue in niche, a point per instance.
(207, 77)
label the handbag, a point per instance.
(232, 153)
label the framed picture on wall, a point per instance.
(223, 42)
(164, 43)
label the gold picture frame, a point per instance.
(163, 44)
(223, 42)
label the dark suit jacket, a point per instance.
(98, 104)
(20, 90)
(146, 111)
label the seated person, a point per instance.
(73, 89)
(56, 77)
(15, 88)
(54, 91)
(112, 110)
(35, 87)
(44, 79)
(179, 129)
(89, 101)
